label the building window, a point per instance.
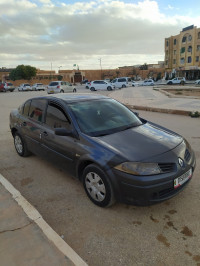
(174, 61)
(189, 49)
(182, 50)
(189, 60)
(182, 61)
(198, 47)
(199, 35)
(174, 52)
(167, 43)
(197, 58)
(174, 41)
(189, 38)
(166, 62)
(184, 39)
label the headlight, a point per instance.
(139, 168)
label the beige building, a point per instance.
(182, 53)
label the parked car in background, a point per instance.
(24, 87)
(122, 82)
(115, 154)
(197, 82)
(60, 87)
(148, 82)
(38, 87)
(100, 85)
(6, 86)
(84, 81)
(135, 84)
(175, 81)
(87, 84)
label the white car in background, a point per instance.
(38, 87)
(197, 82)
(122, 82)
(101, 85)
(148, 82)
(135, 84)
(24, 87)
(60, 87)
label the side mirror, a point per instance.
(64, 132)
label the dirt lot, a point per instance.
(163, 234)
(184, 92)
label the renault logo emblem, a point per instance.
(180, 161)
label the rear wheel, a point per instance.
(97, 186)
(20, 145)
(92, 89)
(62, 91)
(123, 86)
(74, 90)
(109, 88)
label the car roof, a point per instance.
(73, 97)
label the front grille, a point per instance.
(166, 167)
(187, 155)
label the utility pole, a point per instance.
(100, 66)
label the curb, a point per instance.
(34, 215)
(159, 110)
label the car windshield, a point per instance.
(103, 117)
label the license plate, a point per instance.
(182, 179)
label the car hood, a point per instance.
(142, 142)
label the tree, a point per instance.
(23, 72)
(144, 67)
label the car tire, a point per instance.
(20, 145)
(123, 86)
(169, 83)
(97, 186)
(109, 88)
(74, 90)
(61, 91)
(92, 89)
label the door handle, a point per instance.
(45, 134)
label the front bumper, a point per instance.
(147, 190)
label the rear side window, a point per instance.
(121, 80)
(56, 117)
(26, 108)
(37, 109)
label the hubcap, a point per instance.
(95, 186)
(18, 144)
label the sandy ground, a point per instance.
(163, 234)
(184, 92)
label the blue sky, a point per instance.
(64, 33)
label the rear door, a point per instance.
(32, 124)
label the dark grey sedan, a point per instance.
(115, 154)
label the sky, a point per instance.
(57, 34)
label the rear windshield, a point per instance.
(103, 117)
(53, 84)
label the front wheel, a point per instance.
(74, 90)
(62, 91)
(20, 146)
(109, 88)
(92, 89)
(97, 186)
(123, 86)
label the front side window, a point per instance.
(56, 117)
(37, 109)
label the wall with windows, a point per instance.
(182, 52)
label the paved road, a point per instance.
(163, 234)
